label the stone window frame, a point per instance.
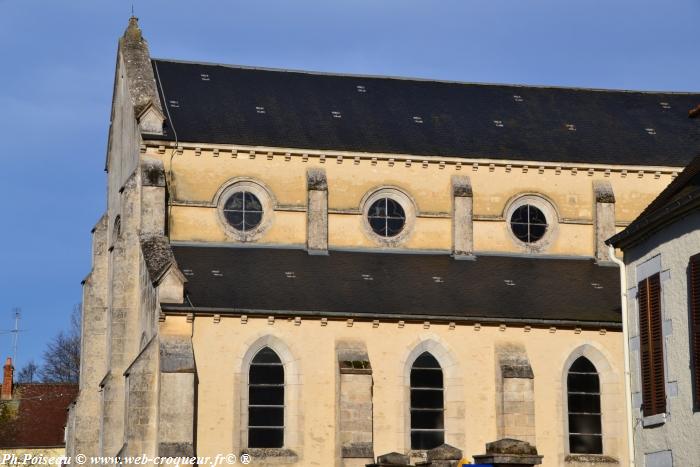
(406, 201)
(293, 434)
(548, 208)
(611, 392)
(257, 188)
(453, 391)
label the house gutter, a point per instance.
(626, 347)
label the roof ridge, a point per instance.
(429, 80)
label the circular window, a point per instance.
(528, 223)
(386, 217)
(243, 211)
(389, 215)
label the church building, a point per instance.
(318, 269)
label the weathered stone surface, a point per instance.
(603, 191)
(317, 212)
(355, 418)
(157, 254)
(444, 452)
(513, 362)
(510, 446)
(584, 460)
(462, 217)
(461, 186)
(316, 179)
(507, 451)
(272, 455)
(604, 217)
(152, 172)
(515, 393)
(175, 449)
(393, 458)
(142, 83)
(176, 354)
(358, 450)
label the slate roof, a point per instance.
(220, 104)
(679, 197)
(406, 285)
(41, 411)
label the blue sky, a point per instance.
(58, 64)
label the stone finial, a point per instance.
(136, 60)
(133, 31)
(461, 186)
(316, 179)
(603, 191)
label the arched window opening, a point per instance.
(427, 403)
(583, 391)
(266, 401)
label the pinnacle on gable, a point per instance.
(133, 31)
(133, 49)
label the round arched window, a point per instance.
(386, 217)
(243, 211)
(528, 223)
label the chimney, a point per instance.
(8, 369)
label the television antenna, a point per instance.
(15, 333)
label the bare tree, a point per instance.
(62, 355)
(29, 373)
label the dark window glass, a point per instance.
(528, 223)
(424, 439)
(427, 403)
(243, 211)
(386, 217)
(265, 437)
(266, 400)
(583, 390)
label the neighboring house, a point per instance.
(318, 269)
(33, 417)
(662, 262)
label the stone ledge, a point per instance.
(589, 459)
(278, 455)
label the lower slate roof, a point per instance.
(219, 104)
(401, 285)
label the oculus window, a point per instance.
(266, 400)
(386, 217)
(243, 211)
(583, 393)
(528, 223)
(427, 403)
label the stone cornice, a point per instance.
(466, 164)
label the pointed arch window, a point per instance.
(583, 392)
(266, 400)
(427, 403)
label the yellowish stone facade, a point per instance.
(158, 380)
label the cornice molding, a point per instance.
(466, 164)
